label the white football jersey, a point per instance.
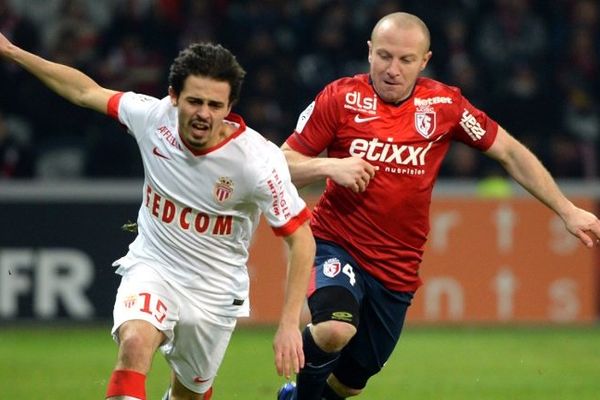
(199, 210)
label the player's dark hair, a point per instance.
(208, 60)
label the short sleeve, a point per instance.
(132, 110)
(317, 124)
(474, 127)
(278, 198)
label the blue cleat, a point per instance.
(287, 391)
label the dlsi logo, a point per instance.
(356, 101)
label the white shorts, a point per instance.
(196, 339)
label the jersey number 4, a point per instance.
(347, 270)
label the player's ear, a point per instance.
(370, 58)
(173, 96)
(426, 59)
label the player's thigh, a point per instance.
(201, 339)
(337, 286)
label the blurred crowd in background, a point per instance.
(534, 66)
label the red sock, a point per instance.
(208, 394)
(127, 383)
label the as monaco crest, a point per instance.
(223, 189)
(130, 301)
(332, 267)
(425, 123)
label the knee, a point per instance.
(131, 343)
(137, 344)
(340, 389)
(332, 336)
(134, 354)
(346, 391)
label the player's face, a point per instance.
(396, 57)
(203, 104)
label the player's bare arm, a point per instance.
(67, 82)
(529, 172)
(287, 344)
(351, 172)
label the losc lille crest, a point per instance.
(223, 189)
(332, 267)
(425, 122)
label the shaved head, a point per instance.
(398, 52)
(402, 21)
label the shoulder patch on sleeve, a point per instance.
(304, 117)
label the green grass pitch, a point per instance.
(449, 363)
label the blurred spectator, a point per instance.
(131, 66)
(75, 33)
(44, 12)
(461, 163)
(564, 157)
(16, 159)
(582, 123)
(110, 152)
(464, 75)
(510, 33)
(331, 52)
(454, 62)
(527, 105)
(200, 23)
(23, 32)
(16, 27)
(581, 63)
(525, 61)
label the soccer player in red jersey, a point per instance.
(386, 134)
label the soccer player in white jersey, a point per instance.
(208, 177)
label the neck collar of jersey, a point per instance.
(231, 119)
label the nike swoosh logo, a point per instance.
(158, 153)
(359, 120)
(200, 380)
(311, 365)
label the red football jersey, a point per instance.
(385, 228)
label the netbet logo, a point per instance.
(471, 126)
(376, 150)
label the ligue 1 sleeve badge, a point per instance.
(223, 189)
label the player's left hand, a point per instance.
(584, 225)
(287, 346)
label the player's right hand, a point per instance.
(287, 346)
(352, 172)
